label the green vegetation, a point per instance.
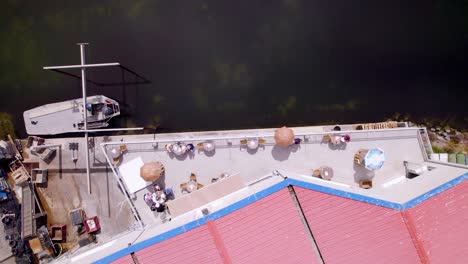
(452, 144)
(437, 149)
(6, 125)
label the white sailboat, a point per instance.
(67, 116)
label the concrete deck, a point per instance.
(67, 189)
(231, 157)
(296, 162)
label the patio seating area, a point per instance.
(191, 173)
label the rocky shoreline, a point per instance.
(446, 139)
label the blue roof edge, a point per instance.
(270, 190)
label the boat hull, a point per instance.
(67, 116)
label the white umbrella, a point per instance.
(252, 143)
(209, 146)
(374, 159)
(115, 153)
(177, 149)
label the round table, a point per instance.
(191, 186)
(335, 139)
(158, 197)
(326, 173)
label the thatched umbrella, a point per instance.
(284, 136)
(151, 171)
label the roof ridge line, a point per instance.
(273, 189)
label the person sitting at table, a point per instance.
(345, 138)
(147, 197)
(168, 148)
(158, 207)
(190, 147)
(222, 176)
(158, 199)
(156, 187)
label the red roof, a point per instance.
(270, 230)
(194, 246)
(124, 260)
(349, 231)
(267, 231)
(441, 225)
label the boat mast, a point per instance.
(83, 67)
(85, 112)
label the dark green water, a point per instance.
(239, 64)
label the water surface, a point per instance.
(239, 64)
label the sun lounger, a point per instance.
(452, 158)
(461, 158)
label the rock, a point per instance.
(438, 128)
(447, 130)
(433, 129)
(458, 138)
(444, 134)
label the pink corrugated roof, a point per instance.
(270, 230)
(124, 260)
(267, 231)
(194, 246)
(441, 225)
(349, 231)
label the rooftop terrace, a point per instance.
(391, 187)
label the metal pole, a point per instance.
(85, 111)
(124, 190)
